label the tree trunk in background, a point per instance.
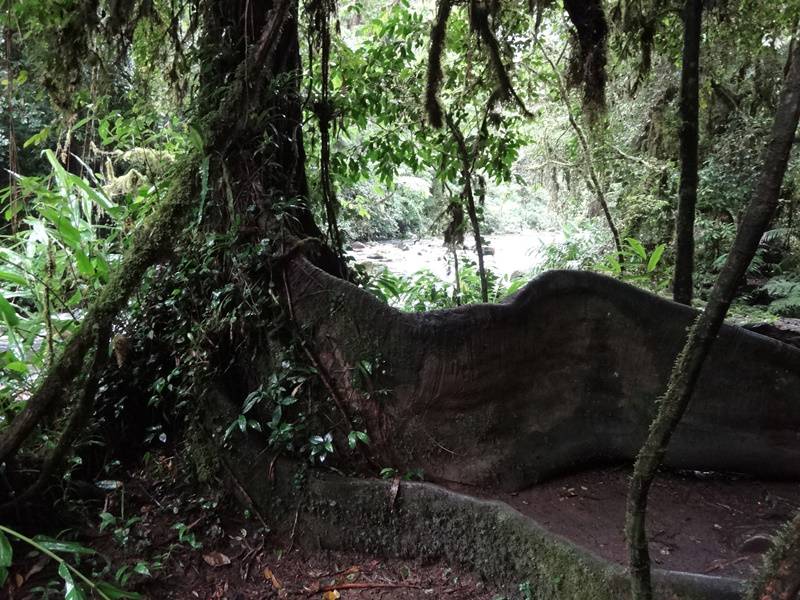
(689, 108)
(690, 362)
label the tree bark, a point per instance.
(690, 362)
(683, 286)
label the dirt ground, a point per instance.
(697, 522)
(164, 539)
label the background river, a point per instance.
(512, 253)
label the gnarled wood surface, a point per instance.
(563, 374)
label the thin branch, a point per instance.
(593, 180)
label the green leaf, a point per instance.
(58, 170)
(637, 247)
(116, 593)
(72, 591)
(62, 546)
(69, 234)
(3, 575)
(196, 139)
(655, 257)
(12, 277)
(6, 553)
(96, 196)
(37, 138)
(85, 267)
(8, 312)
(17, 367)
(203, 187)
(251, 400)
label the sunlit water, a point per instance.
(513, 253)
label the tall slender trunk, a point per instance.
(591, 173)
(690, 362)
(468, 195)
(476, 230)
(683, 286)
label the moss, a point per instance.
(202, 453)
(781, 549)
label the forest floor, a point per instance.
(170, 539)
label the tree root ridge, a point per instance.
(562, 375)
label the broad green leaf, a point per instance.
(72, 591)
(58, 170)
(37, 138)
(3, 575)
(96, 196)
(8, 312)
(62, 546)
(196, 139)
(6, 553)
(17, 367)
(655, 257)
(203, 188)
(637, 247)
(68, 233)
(84, 263)
(12, 277)
(116, 593)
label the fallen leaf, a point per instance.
(37, 568)
(216, 559)
(331, 595)
(19, 579)
(270, 576)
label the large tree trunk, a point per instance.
(683, 286)
(686, 374)
(250, 117)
